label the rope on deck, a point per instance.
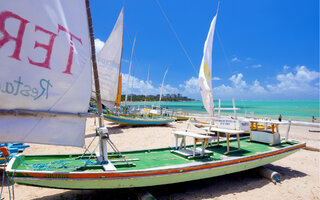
(58, 164)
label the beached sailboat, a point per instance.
(109, 90)
(141, 168)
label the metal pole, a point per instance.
(234, 109)
(219, 108)
(162, 85)
(132, 88)
(145, 99)
(288, 129)
(128, 80)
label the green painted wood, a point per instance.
(104, 182)
(142, 161)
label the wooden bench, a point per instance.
(228, 132)
(197, 138)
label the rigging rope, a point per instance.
(55, 165)
(5, 176)
(228, 63)
(184, 50)
(177, 37)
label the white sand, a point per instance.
(300, 171)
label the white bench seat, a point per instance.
(196, 137)
(228, 132)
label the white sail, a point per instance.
(205, 71)
(45, 66)
(109, 63)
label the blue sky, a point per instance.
(262, 50)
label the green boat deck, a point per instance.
(139, 160)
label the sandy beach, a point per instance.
(300, 171)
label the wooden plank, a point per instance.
(222, 130)
(195, 135)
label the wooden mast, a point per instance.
(94, 60)
(101, 129)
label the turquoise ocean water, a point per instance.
(294, 110)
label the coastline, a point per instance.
(290, 110)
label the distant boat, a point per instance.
(120, 114)
(133, 120)
(13, 149)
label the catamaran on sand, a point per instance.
(46, 55)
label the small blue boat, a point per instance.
(129, 120)
(13, 149)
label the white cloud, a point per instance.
(216, 78)
(139, 87)
(168, 89)
(298, 82)
(237, 89)
(190, 87)
(302, 83)
(257, 88)
(98, 44)
(256, 66)
(286, 67)
(224, 92)
(235, 59)
(237, 81)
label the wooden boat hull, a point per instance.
(181, 118)
(125, 120)
(147, 177)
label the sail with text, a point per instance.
(109, 64)
(205, 82)
(45, 79)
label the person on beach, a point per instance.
(280, 118)
(313, 119)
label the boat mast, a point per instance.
(132, 87)
(118, 100)
(145, 99)
(120, 76)
(128, 80)
(101, 130)
(162, 85)
(234, 109)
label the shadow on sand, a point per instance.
(92, 195)
(118, 128)
(206, 188)
(4, 179)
